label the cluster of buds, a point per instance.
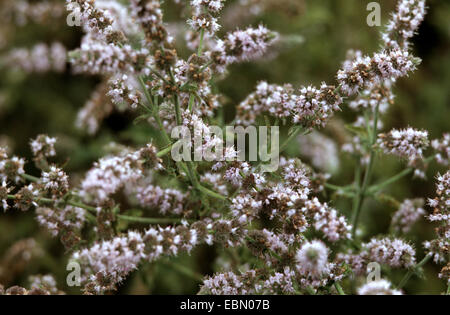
(314, 107)
(445, 273)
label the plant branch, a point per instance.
(413, 270)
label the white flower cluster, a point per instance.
(96, 21)
(97, 107)
(409, 212)
(113, 259)
(22, 12)
(327, 220)
(312, 259)
(96, 57)
(44, 282)
(407, 143)
(110, 261)
(55, 181)
(391, 252)
(242, 45)
(110, 174)
(310, 107)
(404, 23)
(205, 140)
(124, 90)
(320, 150)
(167, 201)
(379, 287)
(364, 72)
(11, 168)
(442, 147)
(62, 220)
(40, 58)
(44, 146)
(4, 191)
(374, 96)
(203, 17)
(149, 15)
(440, 247)
(280, 282)
(230, 284)
(120, 14)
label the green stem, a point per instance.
(31, 178)
(361, 193)
(338, 188)
(191, 102)
(200, 44)
(339, 288)
(82, 206)
(294, 134)
(393, 179)
(211, 193)
(413, 270)
(165, 151)
(177, 110)
(155, 110)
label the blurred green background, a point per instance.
(324, 31)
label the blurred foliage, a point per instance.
(324, 30)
